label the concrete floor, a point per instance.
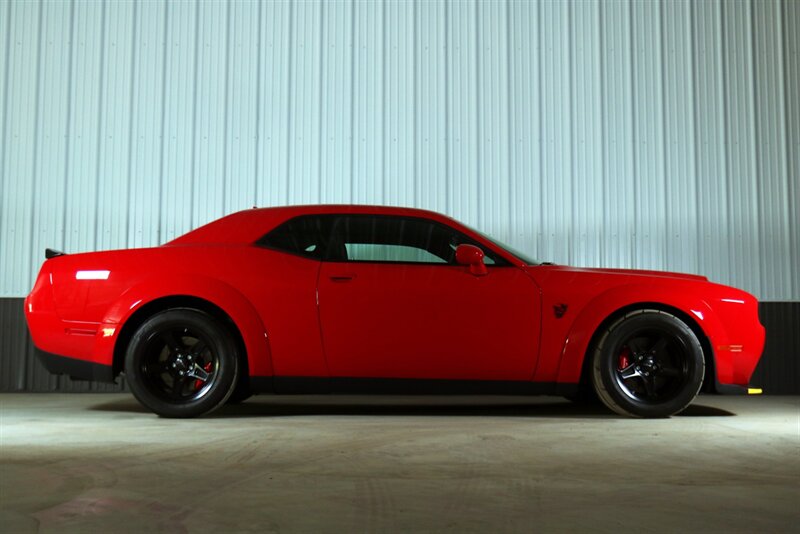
(98, 462)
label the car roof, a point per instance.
(247, 226)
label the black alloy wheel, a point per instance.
(181, 363)
(178, 365)
(648, 364)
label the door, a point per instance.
(393, 304)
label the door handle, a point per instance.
(342, 277)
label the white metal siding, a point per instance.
(627, 134)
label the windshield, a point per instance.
(514, 252)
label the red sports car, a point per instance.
(313, 299)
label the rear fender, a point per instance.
(225, 297)
(637, 296)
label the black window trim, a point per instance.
(499, 259)
(492, 254)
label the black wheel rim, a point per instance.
(179, 365)
(652, 366)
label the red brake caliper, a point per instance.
(199, 383)
(624, 360)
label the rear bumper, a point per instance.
(82, 342)
(74, 368)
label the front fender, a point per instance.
(613, 300)
(222, 295)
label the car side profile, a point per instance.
(372, 299)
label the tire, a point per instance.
(182, 363)
(649, 363)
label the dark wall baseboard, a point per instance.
(777, 373)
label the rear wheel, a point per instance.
(648, 364)
(181, 363)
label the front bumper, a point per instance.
(738, 350)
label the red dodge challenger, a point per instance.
(367, 299)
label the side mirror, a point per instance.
(472, 256)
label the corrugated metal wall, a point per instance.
(631, 134)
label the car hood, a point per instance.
(565, 269)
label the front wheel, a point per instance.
(649, 363)
(181, 363)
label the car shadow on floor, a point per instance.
(269, 406)
(699, 410)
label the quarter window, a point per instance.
(306, 236)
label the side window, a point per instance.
(396, 239)
(384, 252)
(305, 236)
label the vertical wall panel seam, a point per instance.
(6, 84)
(257, 147)
(755, 139)
(570, 117)
(724, 97)
(603, 138)
(290, 72)
(790, 186)
(446, 127)
(692, 145)
(384, 103)
(196, 59)
(165, 47)
(478, 125)
(664, 134)
(352, 97)
(130, 120)
(794, 176)
(723, 118)
(601, 251)
(99, 125)
(415, 101)
(36, 128)
(226, 104)
(36, 133)
(782, 179)
(632, 82)
(509, 119)
(320, 99)
(540, 92)
(698, 207)
(448, 202)
(68, 137)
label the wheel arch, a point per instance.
(705, 343)
(161, 304)
(602, 311)
(207, 294)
